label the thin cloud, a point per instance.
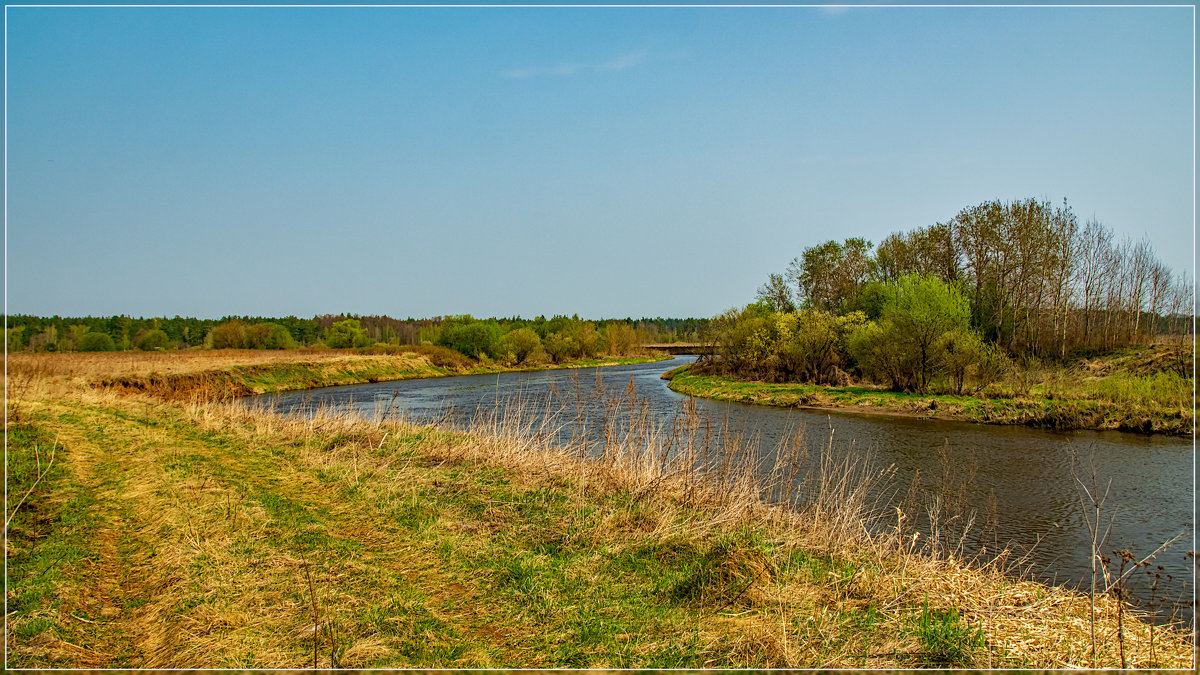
(834, 10)
(615, 64)
(838, 10)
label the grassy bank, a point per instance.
(231, 373)
(1064, 399)
(173, 533)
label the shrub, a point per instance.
(993, 365)
(811, 344)
(747, 340)
(520, 344)
(348, 333)
(272, 336)
(153, 340)
(622, 338)
(962, 349)
(588, 341)
(96, 342)
(474, 339)
(229, 335)
(908, 344)
(558, 347)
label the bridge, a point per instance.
(680, 347)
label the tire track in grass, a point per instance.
(215, 544)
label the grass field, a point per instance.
(148, 531)
(232, 373)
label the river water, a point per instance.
(1025, 487)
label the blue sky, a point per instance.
(507, 161)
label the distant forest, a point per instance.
(517, 339)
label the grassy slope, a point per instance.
(185, 535)
(1155, 402)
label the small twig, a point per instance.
(1122, 578)
(41, 475)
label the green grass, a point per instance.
(1154, 403)
(945, 639)
(50, 537)
(1161, 389)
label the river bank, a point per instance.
(174, 532)
(1100, 413)
(226, 374)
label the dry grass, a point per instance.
(110, 365)
(493, 548)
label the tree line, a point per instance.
(956, 302)
(508, 339)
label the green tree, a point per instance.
(348, 333)
(962, 349)
(908, 344)
(14, 338)
(830, 276)
(587, 341)
(776, 294)
(558, 346)
(70, 340)
(154, 339)
(119, 328)
(522, 343)
(275, 336)
(622, 338)
(747, 341)
(96, 342)
(229, 335)
(811, 345)
(45, 341)
(471, 339)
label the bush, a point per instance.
(811, 344)
(272, 336)
(474, 339)
(907, 346)
(229, 335)
(520, 344)
(153, 340)
(237, 334)
(993, 365)
(348, 333)
(962, 349)
(589, 342)
(622, 338)
(868, 346)
(441, 357)
(747, 339)
(96, 342)
(559, 347)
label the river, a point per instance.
(1023, 484)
